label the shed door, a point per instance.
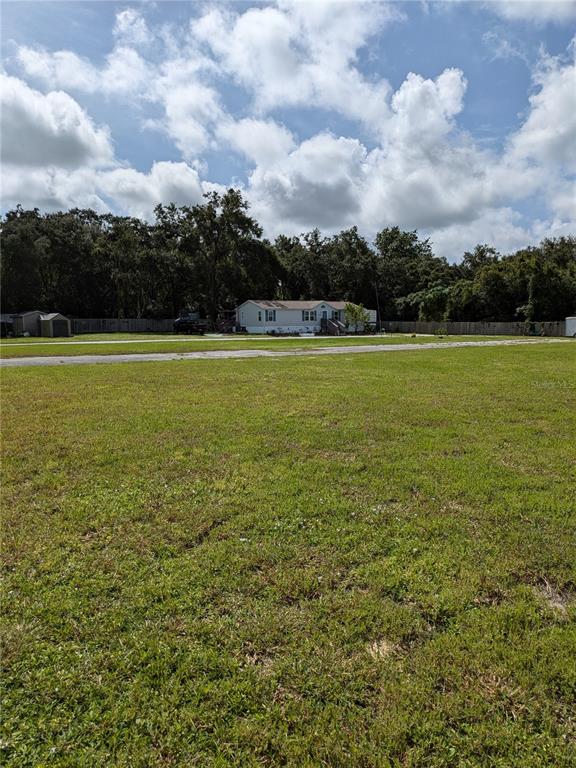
(59, 328)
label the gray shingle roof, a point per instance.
(297, 304)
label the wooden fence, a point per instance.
(125, 325)
(548, 328)
(141, 325)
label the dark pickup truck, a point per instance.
(190, 322)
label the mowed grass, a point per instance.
(349, 561)
(111, 346)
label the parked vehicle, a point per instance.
(190, 322)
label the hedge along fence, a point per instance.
(548, 328)
(124, 325)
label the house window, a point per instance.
(259, 316)
(270, 315)
(335, 314)
(308, 315)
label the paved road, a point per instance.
(18, 362)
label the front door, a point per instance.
(324, 314)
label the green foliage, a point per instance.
(212, 257)
(254, 563)
(357, 318)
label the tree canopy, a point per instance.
(211, 257)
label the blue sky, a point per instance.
(455, 118)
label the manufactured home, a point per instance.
(288, 317)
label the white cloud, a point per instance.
(422, 176)
(131, 28)
(51, 189)
(318, 184)
(261, 141)
(125, 70)
(192, 111)
(301, 54)
(139, 193)
(421, 170)
(538, 11)
(48, 130)
(501, 227)
(548, 135)
(130, 191)
(62, 69)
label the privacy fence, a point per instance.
(141, 325)
(549, 328)
(124, 325)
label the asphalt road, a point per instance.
(161, 357)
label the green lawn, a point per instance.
(357, 561)
(110, 346)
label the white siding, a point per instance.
(252, 317)
(247, 316)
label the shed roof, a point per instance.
(53, 315)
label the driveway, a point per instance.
(162, 357)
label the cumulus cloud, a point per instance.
(262, 141)
(548, 135)
(192, 111)
(538, 11)
(51, 189)
(301, 53)
(125, 70)
(139, 193)
(130, 191)
(417, 168)
(48, 130)
(502, 227)
(318, 184)
(422, 176)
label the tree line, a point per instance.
(211, 257)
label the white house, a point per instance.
(293, 316)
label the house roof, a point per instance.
(297, 304)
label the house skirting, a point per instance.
(271, 328)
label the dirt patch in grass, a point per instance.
(558, 600)
(382, 649)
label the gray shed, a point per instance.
(27, 322)
(55, 324)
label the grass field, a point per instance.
(357, 561)
(108, 344)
